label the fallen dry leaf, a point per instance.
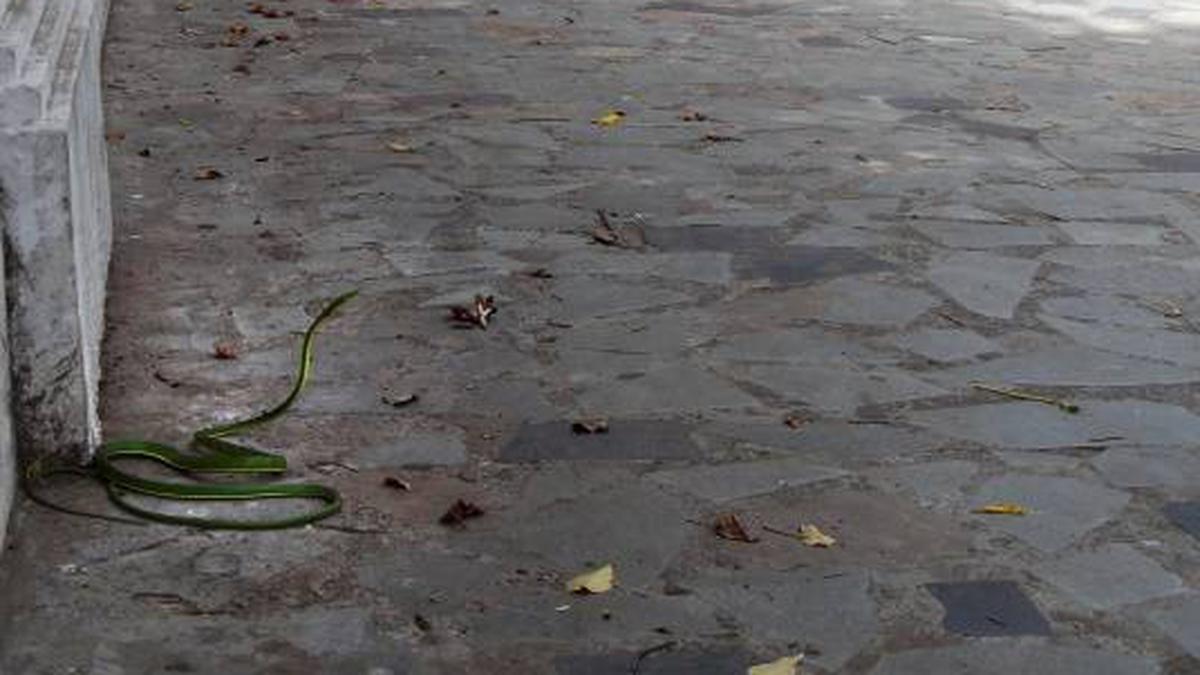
(1002, 509)
(599, 580)
(692, 116)
(721, 138)
(478, 314)
(397, 484)
(796, 420)
(727, 526)
(399, 145)
(629, 236)
(788, 665)
(401, 400)
(593, 425)
(207, 173)
(460, 512)
(811, 535)
(225, 351)
(610, 118)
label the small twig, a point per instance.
(1026, 396)
(636, 667)
(869, 421)
(953, 320)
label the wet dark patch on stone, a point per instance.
(1170, 162)
(662, 662)
(831, 41)
(625, 439)
(720, 10)
(1185, 516)
(713, 238)
(1007, 132)
(804, 264)
(988, 608)
(927, 103)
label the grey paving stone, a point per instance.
(738, 480)
(704, 267)
(1185, 516)
(1115, 234)
(829, 441)
(1006, 657)
(1061, 510)
(985, 284)
(988, 608)
(946, 345)
(1107, 309)
(414, 448)
(982, 236)
(1179, 621)
(813, 345)
(1030, 425)
(958, 213)
(1147, 343)
(802, 264)
(936, 485)
(587, 298)
(836, 236)
(1149, 467)
(848, 300)
(681, 388)
(838, 389)
(673, 661)
(637, 527)
(1069, 366)
(625, 439)
(1109, 577)
(795, 607)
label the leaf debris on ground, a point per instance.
(207, 173)
(693, 116)
(788, 665)
(796, 420)
(599, 580)
(727, 526)
(225, 351)
(400, 145)
(460, 512)
(625, 236)
(1002, 509)
(591, 425)
(478, 314)
(807, 534)
(713, 137)
(396, 483)
(400, 400)
(1022, 395)
(610, 118)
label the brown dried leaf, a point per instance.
(727, 526)
(593, 425)
(721, 138)
(207, 173)
(225, 351)
(628, 236)
(796, 420)
(397, 484)
(693, 116)
(478, 314)
(460, 512)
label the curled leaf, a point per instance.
(811, 535)
(459, 512)
(788, 665)
(727, 526)
(207, 173)
(225, 351)
(399, 145)
(1002, 509)
(610, 118)
(478, 314)
(594, 425)
(599, 580)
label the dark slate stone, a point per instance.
(661, 662)
(1170, 162)
(714, 237)
(1185, 516)
(802, 264)
(988, 608)
(625, 439)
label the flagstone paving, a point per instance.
(827, 222)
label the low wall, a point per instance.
(56, 229)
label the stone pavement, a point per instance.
(832, 218)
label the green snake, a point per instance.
(213, 455)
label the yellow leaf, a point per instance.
(1002, 509)
(399, 146)
(788, 665)
(599, 580)
(812, 535)
(610, 119)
